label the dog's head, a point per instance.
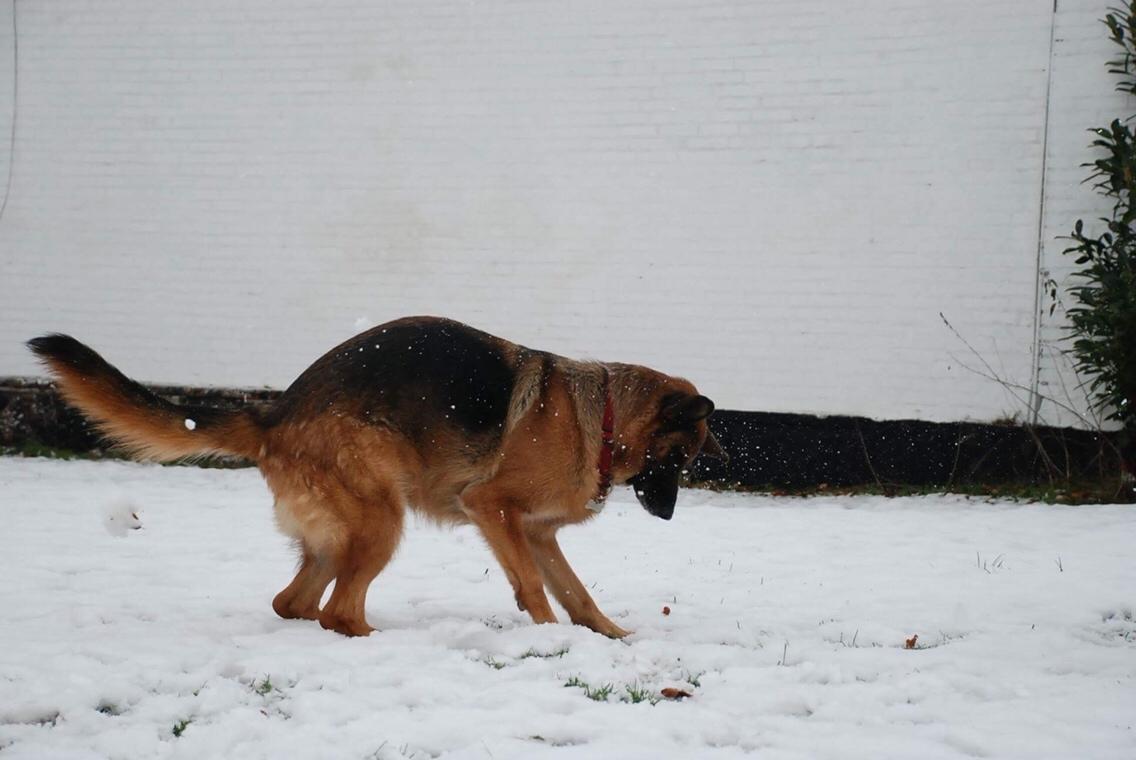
(663, 447)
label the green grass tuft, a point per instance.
(636, 694)
(633, 693)
(545, 655)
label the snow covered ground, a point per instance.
(787, 623)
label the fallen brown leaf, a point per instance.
(672, 693)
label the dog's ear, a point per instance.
(681, 409)
(711, 448)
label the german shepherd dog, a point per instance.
(427, 413)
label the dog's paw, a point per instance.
(608, 628)
(345, 626)
(615, 632)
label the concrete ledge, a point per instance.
(804, 451)
(766, 449)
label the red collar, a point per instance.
(607, 449)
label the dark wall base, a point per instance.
(801, 451)
(766, 450)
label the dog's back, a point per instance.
(415, 376)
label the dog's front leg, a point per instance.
(500, 522)
(567, 587)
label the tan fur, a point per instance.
(147, 434)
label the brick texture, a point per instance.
(776, 199)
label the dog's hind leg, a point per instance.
(301, 598)
(566, 586)
(502, 529)
(373, 535)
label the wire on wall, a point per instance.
(1039, 277)
(15, 102)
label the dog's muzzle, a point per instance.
(656, 487)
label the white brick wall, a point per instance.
(7, 94)
(775, 199)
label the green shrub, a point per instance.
(1103, 312)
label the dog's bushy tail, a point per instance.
(143, 424)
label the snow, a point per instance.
(787, 624)
(121, 516)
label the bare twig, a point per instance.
(1098, 424)
(1015, 388)
(868, 458)
(958, 455)
(990, 374)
